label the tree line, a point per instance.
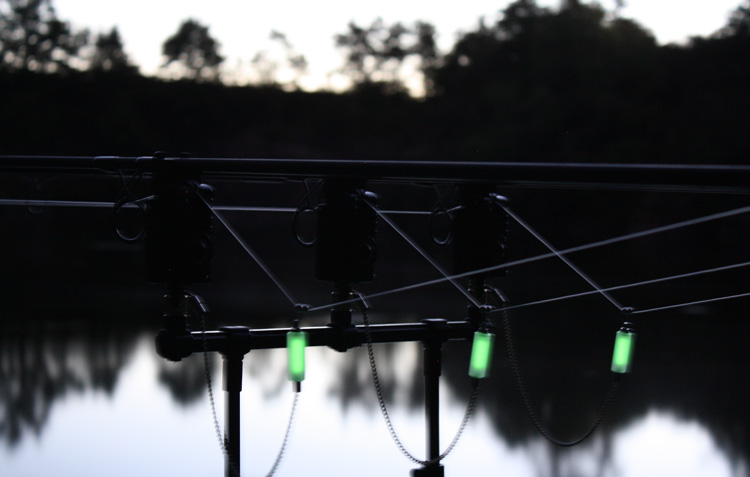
(33, 38)
(573, 83)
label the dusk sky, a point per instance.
(243, 28)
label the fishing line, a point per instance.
(291, 210)
(699, 302)
(200, 307)
(523, 261)
(125, 197)
(424, 254)
(221, 208)
(59, 203)
(305, 206)
(641, 234)
(406, 212)
(250, 252)
(552, 249)
(130, 204)
(242, 208)
(629, 285)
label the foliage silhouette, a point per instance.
(195, 51)
(376, 54)
(565, 85)
(574, 84)
(738, 24)
(109, 55)
(41, 369)
(32, 38)
(296, 61)
(539, 84)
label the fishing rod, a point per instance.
(179, 248)
(636, 176)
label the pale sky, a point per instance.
(243, 27)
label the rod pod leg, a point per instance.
(237, 347)
(433, 346)
(232, 377)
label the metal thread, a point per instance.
(233, 469)
(608, 400)
(384, 410)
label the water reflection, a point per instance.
(43, 362)
(65, 384)
(186, 380)
(661, 442)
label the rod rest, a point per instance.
(175, 345)
(344, 337)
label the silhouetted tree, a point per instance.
(425, 49)
(569, 84)
(296, 61)
(542, 84)
(739, 23)
(109, 54)
(265, 68)
(195, 51)
(520, 17)
(32, 38)
(376, 54)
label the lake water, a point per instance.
(89, 404)
(82, 391)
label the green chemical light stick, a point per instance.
(296, 342)
(481, 355)
(622, 356)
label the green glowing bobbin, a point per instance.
(296, 342)
(622, 356)
(481, 354)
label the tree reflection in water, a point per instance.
(699, 395)
(186, 380)
(42, 362)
